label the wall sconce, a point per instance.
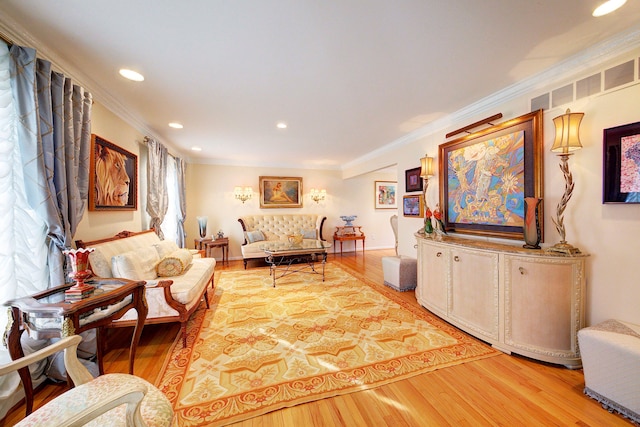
(567, 141)
(318, 195)
(243, 194)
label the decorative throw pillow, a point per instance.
(308, 233)
(255, 236)
(174, 264)
(139, 264)
(99, 264)
(166, 248)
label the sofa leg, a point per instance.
(245, 263)
(206, 298)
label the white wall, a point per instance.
(100, 224)
(210, 193)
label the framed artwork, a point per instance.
(621, 169)
(412, 180)
(113, 177)
(413, 206)
(386, 195)
(485, 176)
(280, 192)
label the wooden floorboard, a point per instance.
(499, 391)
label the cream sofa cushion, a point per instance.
(136, 265)
(166, 248)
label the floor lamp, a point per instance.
(567, 141)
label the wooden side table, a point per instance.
(223, 244)
(200, 242)
(47, 315)
(347, 233)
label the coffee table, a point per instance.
(287, 257)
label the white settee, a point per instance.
(259, 229)
(171, 297)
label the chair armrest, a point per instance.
(131, 396)
(70, 409)
(68, 342)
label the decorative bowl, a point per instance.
(348, 219)
(295, 239)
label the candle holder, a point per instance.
(79, 262)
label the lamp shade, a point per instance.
(567, 132)
(426, 167)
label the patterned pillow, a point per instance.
(255, 236)
(99, 264)
(174, 264)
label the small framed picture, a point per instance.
(413, 206)
(385, 197)
(412, 180)
(621, 171)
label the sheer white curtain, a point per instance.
(170, 223)
(23, 251)
(44, 152)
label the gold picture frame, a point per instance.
(485, 176)
(280, 192)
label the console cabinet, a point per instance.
(524, 301)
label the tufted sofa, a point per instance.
(260, 228)
(171, 296)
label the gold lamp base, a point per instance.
(564, 248)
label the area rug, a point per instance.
(260, 348)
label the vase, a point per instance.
(531, 227)
(79, 262)
(202, 226)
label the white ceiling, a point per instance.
(348, 76)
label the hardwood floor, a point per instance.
(503, 390)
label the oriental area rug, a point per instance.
(260, 348)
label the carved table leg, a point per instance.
(142, 310)
(15, 351)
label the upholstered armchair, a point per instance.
(108, 400)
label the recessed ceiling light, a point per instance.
(608, 7)
(175, 125)
(281, 125)
(196, 149)
(131, 75)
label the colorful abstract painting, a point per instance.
(630, 164)
(486, 182)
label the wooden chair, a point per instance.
(108, 400)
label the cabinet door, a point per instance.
(543, 305)
(475, 286)
(432, 281)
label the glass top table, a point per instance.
(48, 314)
(285, 258)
